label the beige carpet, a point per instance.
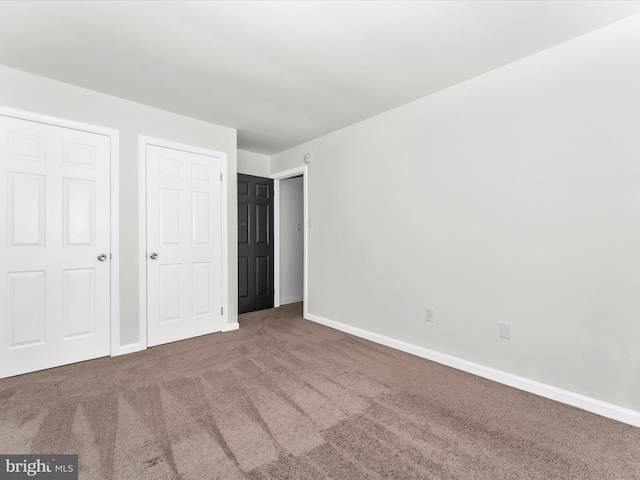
(283, 398)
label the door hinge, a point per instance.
(220, 176)
(221, 310)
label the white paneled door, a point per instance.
(184, 278)
(55, 246)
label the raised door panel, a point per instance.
(263, 190)
(26, 146)
(79, 212)
(26, 308)
(243, 186)
(262, 276)
(201, 173)
(79, 155)
(169, 167)
(243, 222)
(170, 287)
(262, 224)
(26, 208)
(169, 216)
(243, 277)
(201, 227)
(79, 302)
(202, 287)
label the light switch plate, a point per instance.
(504, 330)
(428, 315)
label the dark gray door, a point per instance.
(255, 243)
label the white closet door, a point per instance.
(55, 217)
(184, 279)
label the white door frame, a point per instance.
(114, 263)
(294, 172)
(143, 141)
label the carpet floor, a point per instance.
(284, 398)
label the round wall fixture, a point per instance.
(307, 158)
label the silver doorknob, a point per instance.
(153, 256)
(102, 257)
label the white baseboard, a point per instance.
(605, 409)
(137, 347)
(130, 348)
(230, 327)
(291, 300)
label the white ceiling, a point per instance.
(283, 73)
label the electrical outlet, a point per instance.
(428, 315)
(504, 330)
(298, 227)
(310, 223)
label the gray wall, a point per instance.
(41, 95)
(251, 163)
(515, 197)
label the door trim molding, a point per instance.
(293, 172)
(143, 141)
(114, 192)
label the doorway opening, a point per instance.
(291, 237)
